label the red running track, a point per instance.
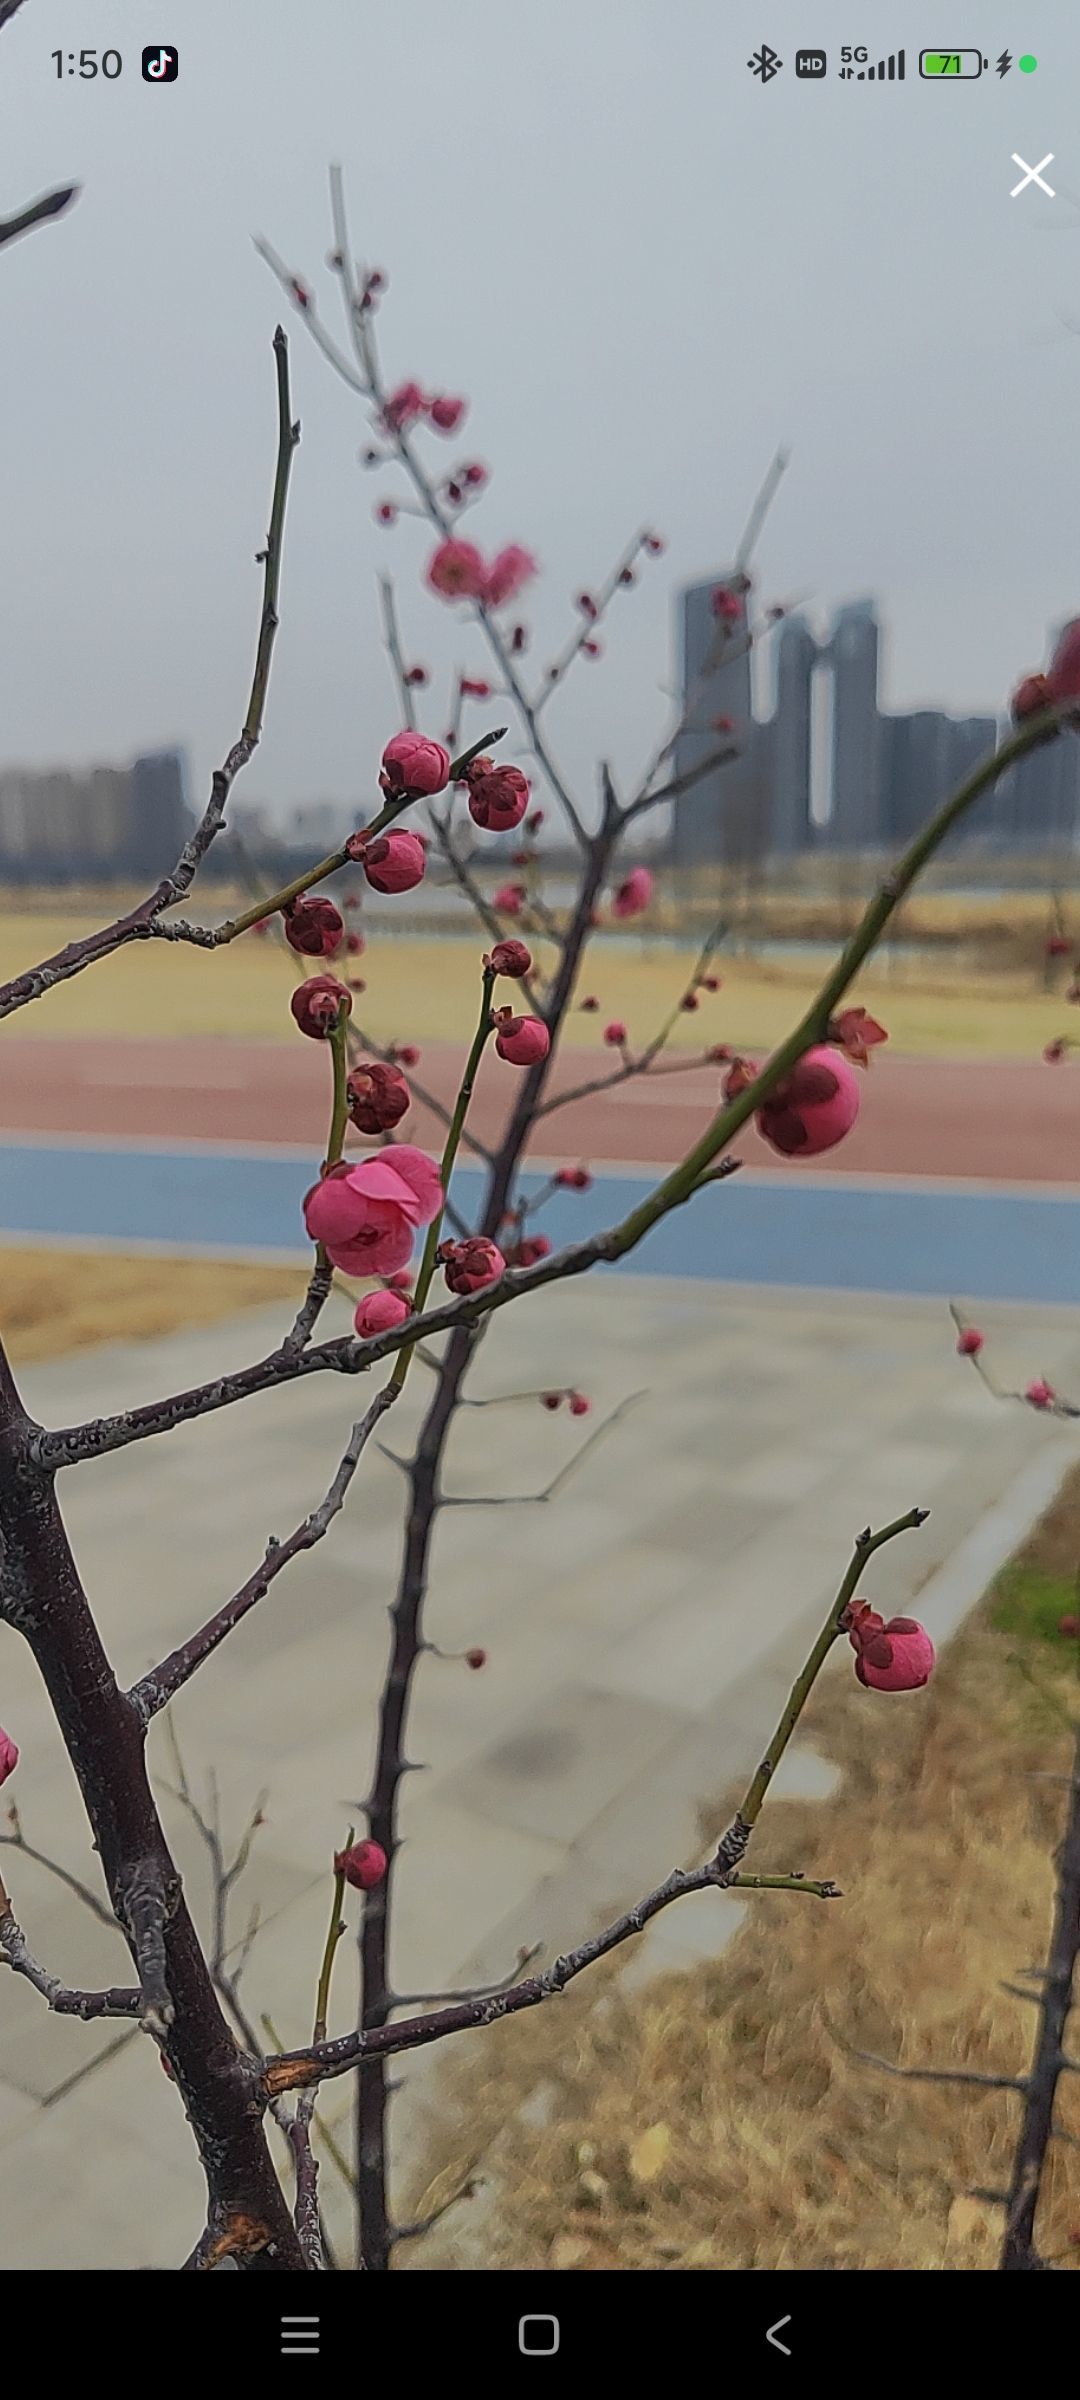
(1014, 1120)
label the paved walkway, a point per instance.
(641, 1631)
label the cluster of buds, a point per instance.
(458, 570)
(576, 1402)
(409, 403)
(377, 1096)
(470, 1265)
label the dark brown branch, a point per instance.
(154, 1691)
(39, 212)
(141, 923)
(1055, 2003)
(16, 1953)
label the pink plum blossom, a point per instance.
(380, 1312)
(814, 1106)
(634, 893)
(394, 862)
(366, 1215)
(9, 1755)
(509, 572)
(893, 1657)
(456, 571)
(412, 763)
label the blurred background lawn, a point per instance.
(422, 987)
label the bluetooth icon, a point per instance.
(765, 63)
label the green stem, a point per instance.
(750, 1806)
(339, 1111)
(288, 437)
(684, 1178)
(450, 1151)
(334, 1933)
(338, 858)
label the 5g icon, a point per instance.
(161, 63)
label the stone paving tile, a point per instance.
(642, 1633)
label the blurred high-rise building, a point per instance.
(106, 823)
(885, 774)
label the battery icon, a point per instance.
(951, 64)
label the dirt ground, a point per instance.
(52, 1301)
(721, 2117)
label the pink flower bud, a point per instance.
(723, 724)
(385, 513)
(401, 1282)
(415, 676)
(510, 958)
(509, 900)
(1070, 1628)
(711, 983)
(1058, 945)
(970, 1341)
(579, 1405)
(615, 1034)
(314, 927)
(574, 1179)
(893, 1657)
(588, 606)
(412, 763)
(634, 893)
(316, 1005)
(394, 862)
(456, 570)
(590, 1005)
(403, 407)
(473, 687)
(498, 797)
(9, 1755)
(476, 1659)
(654, 545)
(552, 1399)
(690, 1001)
(726, 605)
(524, 1041)
(510, 570)
(377, 1096)
(469, 1266)
(530, 1251)
(408, 1053)
(380, 1312)
(364, 1866)
(446, 414)
(1055, 1051)
(592, 648)
(475, 475)
(814, 1106)
(1029, 698)
(519, 639)
(1040, 1394)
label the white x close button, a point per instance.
(1032, 175)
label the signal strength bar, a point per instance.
(887, 70)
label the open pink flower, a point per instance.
(9, 1755)
(380, 1312)
(456, 571)
(394, 862)
(472, 1264)
(510, 570)
(446, 413)
(814, 1106)
(498, 796)
(522, 1040)
(412, 763)
(634, 893)
(893, 1657)
(366, 1215)
(314, 927)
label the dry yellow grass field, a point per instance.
(52, 1301)
(718, 2118)
(425, 990)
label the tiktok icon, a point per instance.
(161, 64)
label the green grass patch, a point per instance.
(1030, 1603)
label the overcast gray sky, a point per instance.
(645, 269)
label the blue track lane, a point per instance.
(984, 1243)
